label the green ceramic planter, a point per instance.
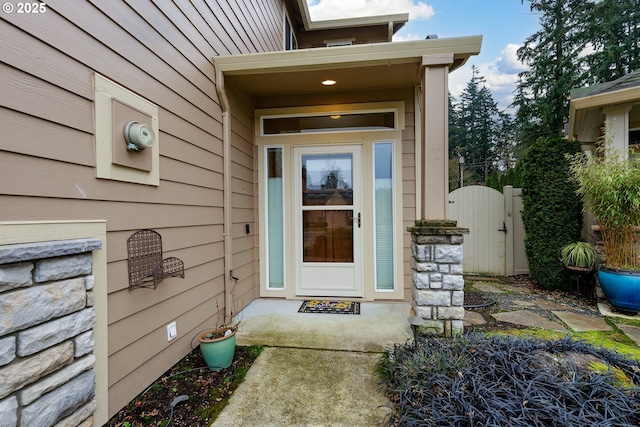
(218, 352)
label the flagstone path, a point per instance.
(541, 313)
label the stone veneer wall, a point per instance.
(46, 337)
(438, 284)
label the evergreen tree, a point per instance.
(506, 148)
(455, 132)
(476, 126)
(579, 42)
(551, 54)
(613, 33)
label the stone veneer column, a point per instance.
(438, 284)
(47, 317)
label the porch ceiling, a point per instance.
(354, 68)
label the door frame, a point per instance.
(366, 138)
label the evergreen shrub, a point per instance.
(552, 212)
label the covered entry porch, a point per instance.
(404, 82)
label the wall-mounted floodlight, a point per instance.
(138, 136)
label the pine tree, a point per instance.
(550, 53)
(580, 42)
(613, 33)
(476, 124)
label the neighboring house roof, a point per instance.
(585, 111)
(630, 80)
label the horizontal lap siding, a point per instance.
(162, 51)
(408, 191)
(243, 202)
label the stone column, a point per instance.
(438, 284)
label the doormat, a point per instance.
(330, 307)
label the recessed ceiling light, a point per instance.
(329, 82)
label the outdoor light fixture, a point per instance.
(138, 136)
(329, 82)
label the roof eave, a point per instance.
(348, 56)
(608, 98)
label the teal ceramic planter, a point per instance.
(621, 287)
(218, 352)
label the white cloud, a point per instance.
(500, 76)
(340, 9)
(508, 62)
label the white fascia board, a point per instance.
(629, 95)
(347, 56)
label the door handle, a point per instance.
(504, 227)
(358, 218)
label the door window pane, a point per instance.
(383, 200)
(328, 235)
(327, 179)
(275, 219)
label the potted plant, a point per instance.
(579, 256)
(581, 259)
(218, 346)
(609, 184)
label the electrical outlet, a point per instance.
(172, 331)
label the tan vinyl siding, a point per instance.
(408, 190)
(244, 202)
(163, 52)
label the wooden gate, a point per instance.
(495, 243)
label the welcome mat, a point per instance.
(330, 307)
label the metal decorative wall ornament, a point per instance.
(147, 268)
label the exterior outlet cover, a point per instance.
(172, 331)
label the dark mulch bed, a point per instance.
(207, 391)
(482, 380)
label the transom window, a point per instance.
(332, 122)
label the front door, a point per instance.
(328, 220)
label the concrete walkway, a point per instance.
(320, 369)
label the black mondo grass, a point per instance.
(479, 380)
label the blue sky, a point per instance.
(504, 25)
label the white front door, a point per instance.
(328, 220)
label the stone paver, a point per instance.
(632, 332)
(549, 305)
(516, 289)
(524, 303)
(528, 318)
(606, 310)
(473, 318)
(582, 322)
(485, 287)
